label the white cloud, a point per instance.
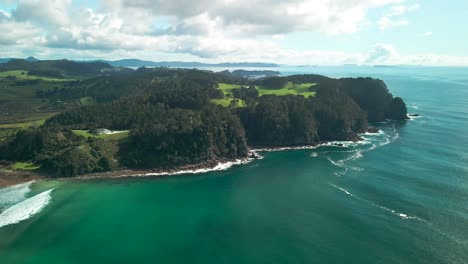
(386, 23)
(44, 12)
(386, 54)
(381, 54)
(246, 17)
(427, 34)
(402, 9)
(278, 37)
(18, 34)
(11, 33)
(4, 15)
(204, 30)
(389, 21)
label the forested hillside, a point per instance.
(178, 117)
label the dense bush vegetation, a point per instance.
(60, 152)
(179, 137)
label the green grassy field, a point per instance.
(227, 88)
(227, 101)
(19, 96)
(24, 166)
(117, 136)
(35, 123)
(24, 120)
(20, 107)
(83, 133)
(86, 101)
(289, 89)
(23, 75)
(9, 125)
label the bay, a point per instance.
(400, 196)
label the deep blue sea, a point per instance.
(400, 196)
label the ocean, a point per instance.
(400, 196)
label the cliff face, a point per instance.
(340, 110)
(396, 109)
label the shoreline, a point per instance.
(17, 177)
(190, 169)
(14, 178)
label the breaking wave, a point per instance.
(25, 209)
(14, 194)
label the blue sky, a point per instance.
(326, 32)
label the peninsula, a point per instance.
(100, 118)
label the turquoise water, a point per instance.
(398, 197)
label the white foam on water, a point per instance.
(336, 163)
(341, 189)
(346, 144)
(399, 214)
(284, 148)
(414, 117)
(219, 167)
(381, 132)
(356, 155)
(341, 173)
(341, 163)
(14, 194)
(25, 209)
(387, 141)
(370, 142)
(356, 168)
(394, 212)
(340, 144)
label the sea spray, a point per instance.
(25, 209)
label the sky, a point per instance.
(291, 32)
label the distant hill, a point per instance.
(184, 64)
(252, 74)
(3, 60)
(60, 68)
(174, 64)
(30, 59)
(384, 66)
